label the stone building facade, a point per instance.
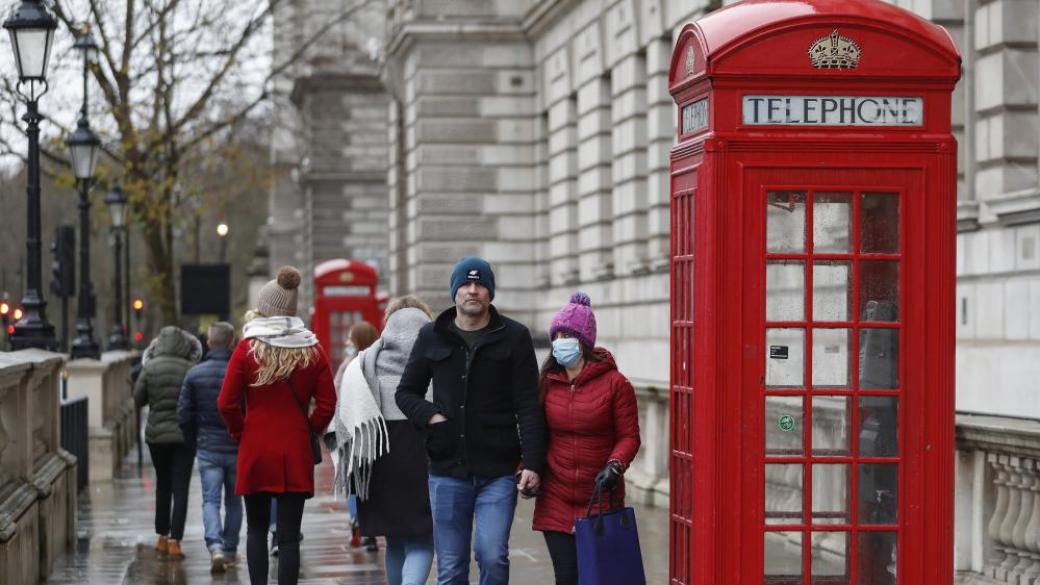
(329, 144)
(537, 133)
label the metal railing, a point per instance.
(75, 436)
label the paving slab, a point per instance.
(115, 538)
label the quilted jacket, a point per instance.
(591, 420)
(197, 411)
(166, 361)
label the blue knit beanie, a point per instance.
(472, 269)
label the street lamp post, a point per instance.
(222, 232)
(84, 146)
(116, 202)
(32, 30)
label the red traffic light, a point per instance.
(10, 329)
(138, 336)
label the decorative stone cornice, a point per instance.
(544, 14)
(411, 32)
(967, 216)
(998, 434)
(1016, 208)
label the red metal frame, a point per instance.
(345, 292)
(721, 174)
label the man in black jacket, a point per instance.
(484, 425)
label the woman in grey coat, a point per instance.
(164, 365)
(393, 497)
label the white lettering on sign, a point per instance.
(695, 116)
(347, 291)
(826, 110)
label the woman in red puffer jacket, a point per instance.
(591, 412)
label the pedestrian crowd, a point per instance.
(435, 426)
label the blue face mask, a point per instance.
(567, 351)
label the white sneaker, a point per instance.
(216, 561)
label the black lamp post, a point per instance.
(32, 31)
(116, 202)
(84, 145)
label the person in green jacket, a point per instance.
(164, 365)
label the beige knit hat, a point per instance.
(277, 298)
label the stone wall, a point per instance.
(37, 478)
(112, 418)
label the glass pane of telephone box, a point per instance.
(879, 291)
(878, 359)
(879, 223)
(784, 493)
(829, 564)
(784, 426)
(878, 426)
(785, 358)
(830, 365)
(831, 223)
(878, 558)
(785, 221)
(830, 493)
(785, 291)
(878, 493)
(782, 558)
(831, 426)
(832, 287)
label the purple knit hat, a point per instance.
(576, 318)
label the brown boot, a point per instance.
(162, 545)
(173, 550)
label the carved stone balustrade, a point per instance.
(37, 478)
(112, 418)
(998, 500)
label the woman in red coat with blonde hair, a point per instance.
(275, 372)
(591, 412)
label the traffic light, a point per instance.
(63, 267)
(5, 315)
(138, 306)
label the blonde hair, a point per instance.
(276, 363)
(406, 302)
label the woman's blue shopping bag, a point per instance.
(608, 547)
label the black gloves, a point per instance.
(607, 479)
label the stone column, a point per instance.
(595, 160)
(562, 104)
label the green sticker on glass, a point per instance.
(785, 423)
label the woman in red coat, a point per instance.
(591, 411)
(274, 373)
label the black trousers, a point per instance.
(258, 518)
(173, 463)
(563, 550)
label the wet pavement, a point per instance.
(115, 538)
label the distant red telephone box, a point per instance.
(812, 303)
(345, 293)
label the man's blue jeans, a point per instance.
(458, 505)
(408, 559)
(217, 471)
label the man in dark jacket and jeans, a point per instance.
(217, 453)
(483, 426)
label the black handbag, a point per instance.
(315, 438)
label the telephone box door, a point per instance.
(835, 282)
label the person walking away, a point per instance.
(165, 363)
(484, 424)
(385, 457)
(274, 373)
(216, 452)
(590, 408)
(361, 335)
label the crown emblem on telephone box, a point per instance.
(835, 52)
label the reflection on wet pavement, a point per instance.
(115, 539)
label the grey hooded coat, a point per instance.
(165, 363)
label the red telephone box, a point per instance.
(345, 293)
(813, 248)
